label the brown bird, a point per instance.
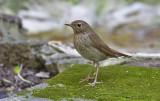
(91, 47)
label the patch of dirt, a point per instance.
(15, 82)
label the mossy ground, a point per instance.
(120, 83)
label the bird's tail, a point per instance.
(119, 53)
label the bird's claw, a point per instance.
(93, 84)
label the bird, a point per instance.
(90, 46)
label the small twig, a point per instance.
(19, 75)
(23, 78)
(21, 66)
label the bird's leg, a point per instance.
(95, 80)
(88, 77)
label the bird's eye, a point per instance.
(79, 25)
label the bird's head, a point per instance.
(79, 26)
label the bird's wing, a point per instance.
(100, 45)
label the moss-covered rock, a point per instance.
(119, 83)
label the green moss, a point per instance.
(119, 83)
(24, 93)
(9, 91)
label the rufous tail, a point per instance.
(120, 54)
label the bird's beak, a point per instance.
(68, 25)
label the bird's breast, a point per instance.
(82, 43)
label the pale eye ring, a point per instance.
(79, 25)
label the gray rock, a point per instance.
(23, 98)
(43, 18)
(26, 53)
(11, 29)
(144, 63)
(39, 55)
(130, 20)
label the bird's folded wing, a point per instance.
(100, 45)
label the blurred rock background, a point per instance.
(32, 33)
(121, 23)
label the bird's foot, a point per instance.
(86, 79)
(93, 84)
